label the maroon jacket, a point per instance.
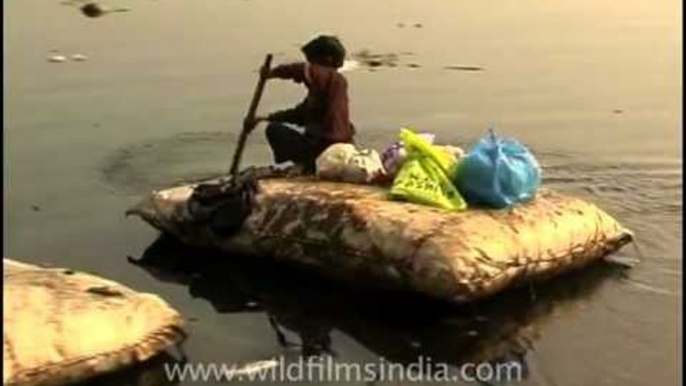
(324, 112)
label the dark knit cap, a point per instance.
(325, 50)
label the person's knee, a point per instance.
(272, 131)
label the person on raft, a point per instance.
(323, 114)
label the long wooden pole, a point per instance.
(248, 121)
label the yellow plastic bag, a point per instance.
(423, 178)
(418, 146)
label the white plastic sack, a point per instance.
(344, 162)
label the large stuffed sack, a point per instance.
(62, 326)
(353, 233)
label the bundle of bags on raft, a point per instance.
(496, 172)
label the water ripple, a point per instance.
(144, 166)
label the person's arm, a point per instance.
(295, 72)
(292, 71)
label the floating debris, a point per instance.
(96, 10)
(371, 60)
(415, 25)
(464, 68)
(93, 9)
(79, 57)
(57, 58)
(617, 111)
(414, 65)
(35, 208)
(252, 368)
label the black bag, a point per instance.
(224, 204)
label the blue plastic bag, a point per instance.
(498, 172)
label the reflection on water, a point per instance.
(304, 311)
(150, 373)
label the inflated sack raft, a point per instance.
(62, 326)
(354, 233)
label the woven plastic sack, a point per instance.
(423, 178)
(354, 234)
(63, 327)
(498, 172)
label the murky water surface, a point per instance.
(593, 87)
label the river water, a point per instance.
(592, 87)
